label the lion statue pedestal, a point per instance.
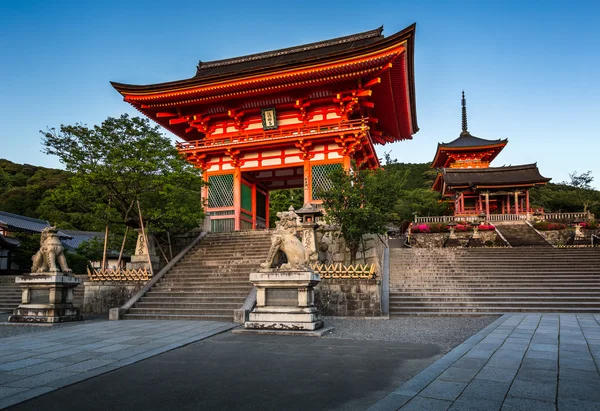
(285, 295)
(47, 293)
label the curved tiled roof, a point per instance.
(467, 140)
(15, 222)
(287, 55)
(494, 176)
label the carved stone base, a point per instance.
(46, 298)
(285, 301)
(141, 262)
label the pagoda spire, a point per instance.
(464, 113)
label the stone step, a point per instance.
(491, 288)
(190, 305)
(221, 298)
(181, 311)
(203, 293)
(485, 311)
(503, 294)
(492, 309)
(471, 299)
(224, 318)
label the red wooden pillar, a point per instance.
(237, 199)
(516, 202)
(254, 206)
(487, 206)
(307, 182)
(462, 202)
(480, 210)
(527, 201)
(346, 163)
(204, 190)
(508, 204)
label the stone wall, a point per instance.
(436, 240)
(100, 296)
(560, 237)
(352, 298)
(332, 248)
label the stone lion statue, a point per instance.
(284, 239)
(51, 250)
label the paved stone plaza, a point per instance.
(519, 362)
(35, 364)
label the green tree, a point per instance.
(583, 182)
(125, 160)
(359, 202)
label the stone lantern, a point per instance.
(308, 214)
(578, 233)
(475, 225)
(451, 226)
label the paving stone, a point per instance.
(475, 363)
(497, 374)
(475, 404)
(540, 364)
(527, 404)
(414, 385)
(40, 379)
(575, 355)
(8, 391)
(38, 368)
(535, 390)
(578, 390)
(570, 404)
(486, 389)
(443, 390)
(542, 355)
(24, 396)
(543, 376)
(26, 362)
(574, 347)
(507, 363)
(457, 374)
(480, 354)
(579, 376)
(426, 404)
(578, 364)
(390, 403)
(544, 347)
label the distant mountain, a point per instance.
(22, 186)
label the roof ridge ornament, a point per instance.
(464, 114)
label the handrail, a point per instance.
(299, 132)
(117, 313)
(503, 217)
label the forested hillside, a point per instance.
(22, 186)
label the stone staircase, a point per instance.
(494, 281)
(209, 282)
(520, 234)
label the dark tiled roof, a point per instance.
(78, 237)
(493, 176)
(9, 242)
(467, 140)
(15, 222)
(287, 55)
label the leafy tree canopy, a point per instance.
(361, 202)
(115, 164)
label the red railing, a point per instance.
(300, 132)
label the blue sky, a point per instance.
(530, 70)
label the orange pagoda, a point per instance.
(466, 179)
(285, 118)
